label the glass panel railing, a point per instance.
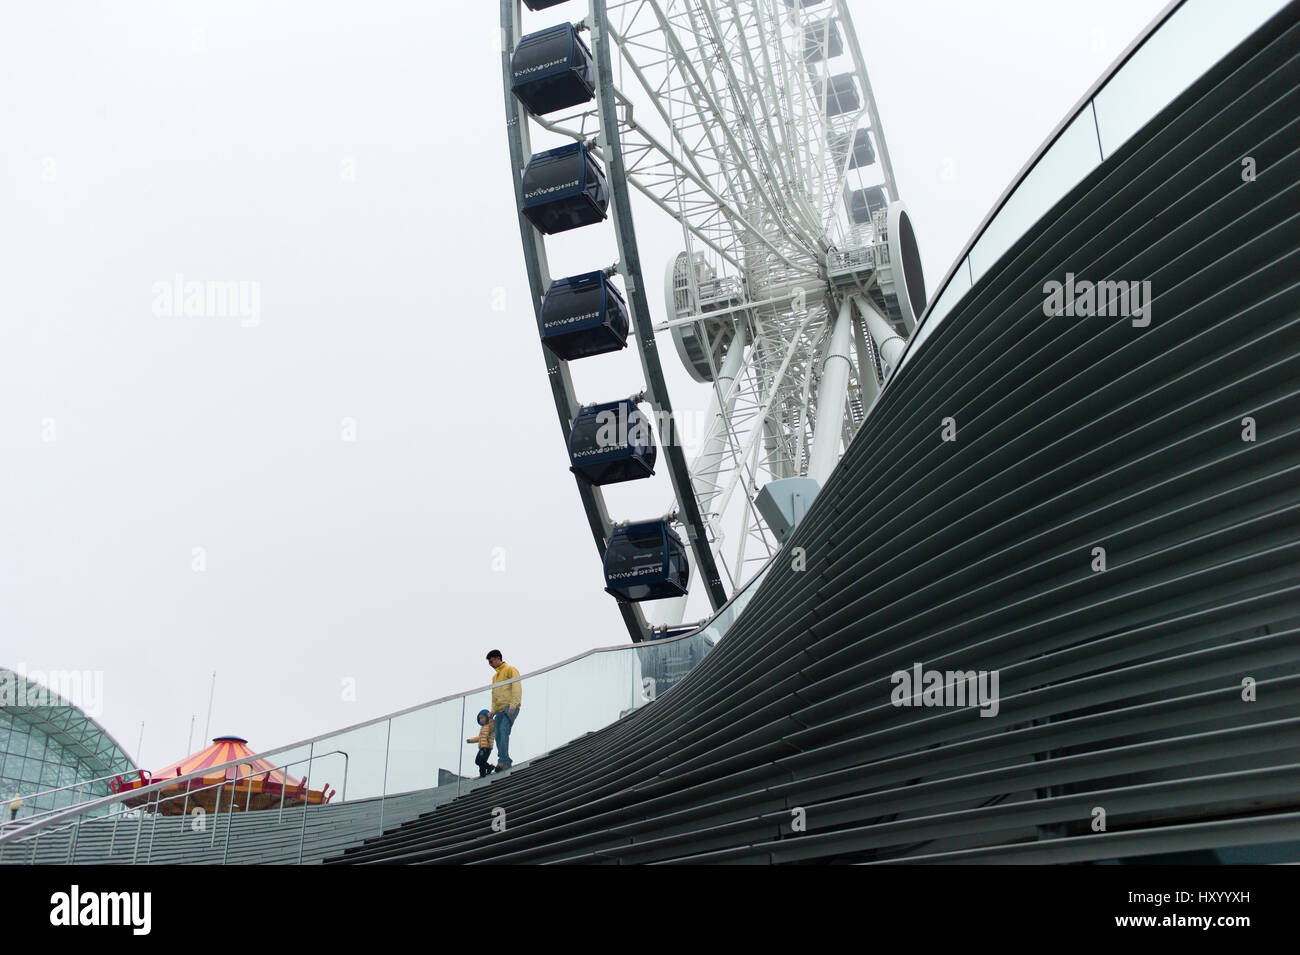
(957, 287)
(1197, 35)
(386, 770)
(299, 761)
(1074, 154)
(422, 751)
(1172, 56)
(722, 621)
(661, 666)
(595, 692)
(350, 763)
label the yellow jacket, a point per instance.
(504, 696)
(485, 736)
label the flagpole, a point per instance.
(212, 692)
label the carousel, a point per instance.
(250, 786)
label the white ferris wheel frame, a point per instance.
(711, 111)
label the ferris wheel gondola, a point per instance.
(752, 124)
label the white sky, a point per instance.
(351, 159)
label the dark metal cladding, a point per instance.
(611, 443)
(646, 562)
(564, 188)
(583, 315)
(552, 70)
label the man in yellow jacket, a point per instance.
(505, 705)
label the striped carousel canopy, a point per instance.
(223, 750)
(251, 785)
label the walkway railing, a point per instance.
(38, 804)
(185, 807)
(425, 746)
(1182, 43)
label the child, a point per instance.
(484, 740)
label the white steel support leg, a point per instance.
(831, 392)
(888, 343)
(704, 472)
(778, 462)
(866, 364)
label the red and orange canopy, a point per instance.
(253, 784)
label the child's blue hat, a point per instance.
(484, 713)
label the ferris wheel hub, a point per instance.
(898, 270)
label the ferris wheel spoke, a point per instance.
(726, 150)
(662, 178)
(726, 103)
(750, 94)
(779, 141)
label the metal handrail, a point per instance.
(47, 827)
(25, 797)
(40, 821)
(1014, 186)
(55, 816)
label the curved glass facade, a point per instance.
(51, 753)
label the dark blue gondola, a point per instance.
(583, 315)
(542, 4)
(646, 562)
(841, 95)
(552, 70)
(864, 203)
(822, 41)
(612, 442)
(564, 188)
(857, 145)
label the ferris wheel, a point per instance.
(751, 124)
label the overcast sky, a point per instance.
(348, 162)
